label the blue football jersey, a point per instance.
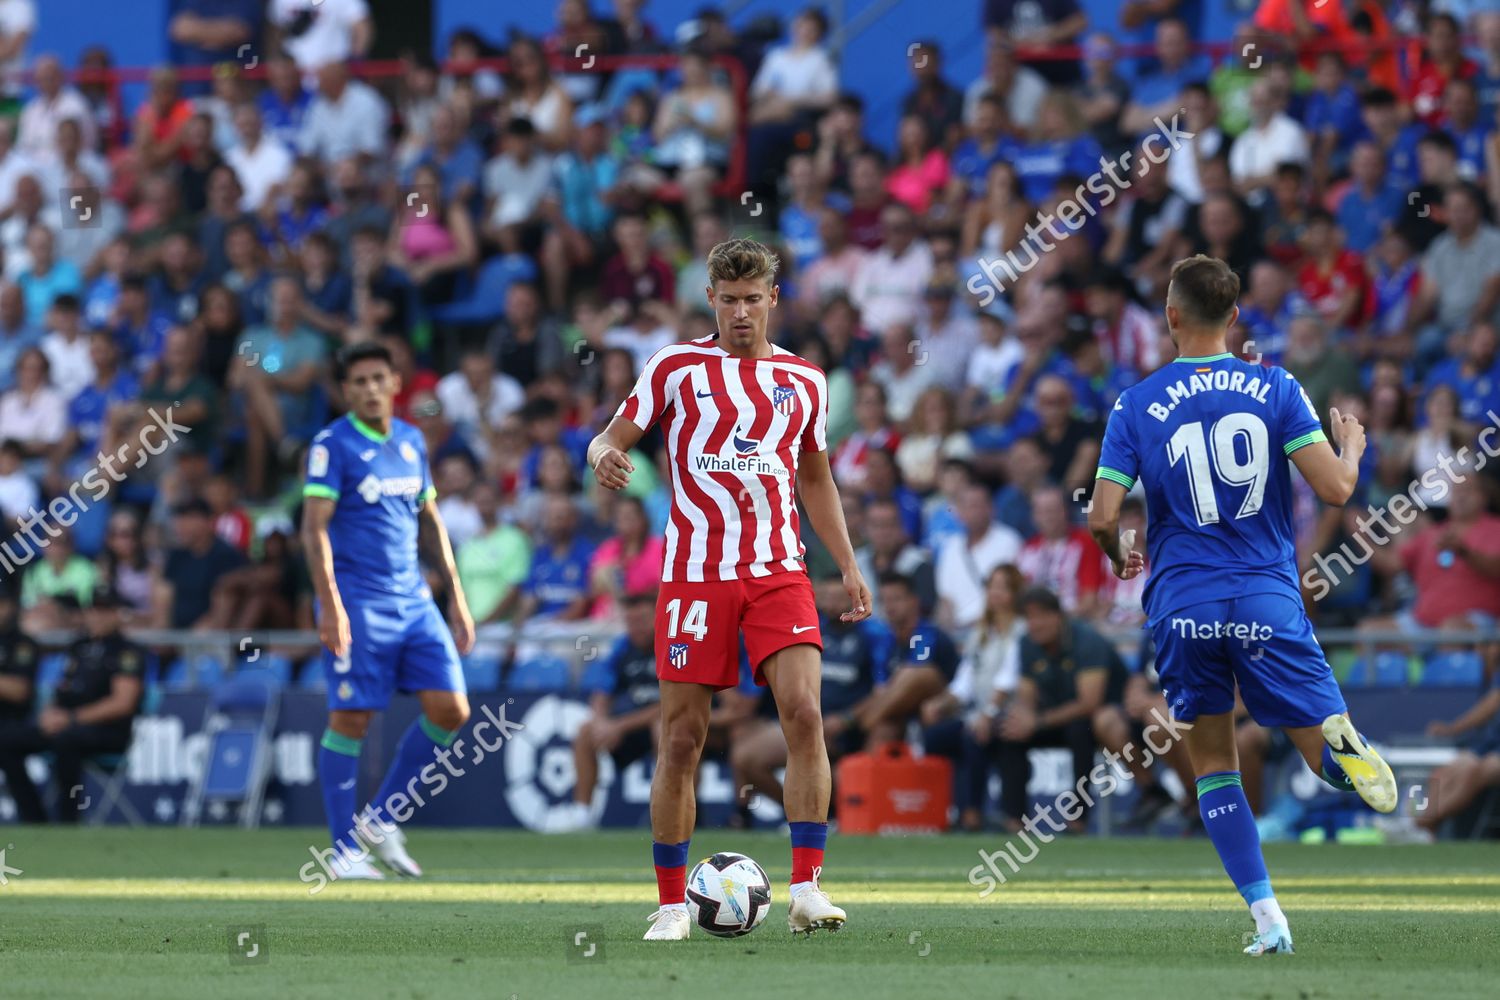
(1209, 439)
(378, 484)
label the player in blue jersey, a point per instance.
(1209, 437)
(368, 509)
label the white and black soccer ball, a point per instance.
(728, 894)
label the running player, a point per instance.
(1208, 436)
(744, 424)
(368, 508)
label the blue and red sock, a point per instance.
(808, 843)
(671, 872)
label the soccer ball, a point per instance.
(728, 894)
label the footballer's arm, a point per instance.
(436, 551)
(1333, 477)
(1104, 525)
(820, 498)
(609, 453)
(333, 624)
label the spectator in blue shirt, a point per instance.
(204, 32)
(140, 331)
(557, 588)
(969, 167)
(1470, 130)
(1332, 114)
(1382, 120)
(1159, 94)
(1062, 147)
(1474, 375)
(1369, 202)
(47, 277)
(89, 412)
(284, 101)
(457, 159)
(17, 333)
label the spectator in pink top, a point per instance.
(921, 169)
(1455, 565)
(629, 561)
(433, 240)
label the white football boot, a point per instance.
(669, 924)
(812, 910)
(386, 841)
(347, 866)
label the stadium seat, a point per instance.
(277, 666)
(485, 301)
(239, 720)
(539, 673)
(482, 672)
(1456, 668)
(1389, 669)
(190, 673)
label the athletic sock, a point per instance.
(419, 747)
(1231, 826)
(808, 843)
(671, 873)
(1333, 773)
(338, 773)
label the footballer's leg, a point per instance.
(684, 727)
(428, 664)
(357, 688)
(795, 676)
(1198, 677)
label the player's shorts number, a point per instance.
(694, 623)
(1188, 442)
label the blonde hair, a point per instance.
(742, 260)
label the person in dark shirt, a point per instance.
(90, 713)
(933, 99)
(186, 584)
(921, 662)
(854, 662)
(18, 656)
(1068, 672)
(624, 723)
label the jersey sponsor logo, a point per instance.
(743, 446)
(784, 399)
(372, 488)
(677, 654)
(754, 464)
(1190, 628)
(317, 461)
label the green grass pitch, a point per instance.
(151, 913)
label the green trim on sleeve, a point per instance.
(318, 490)
(428, 494)
(1114, 476)
(1312, 437)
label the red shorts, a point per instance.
(698, 626)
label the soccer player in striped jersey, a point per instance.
(1209, 436)
(744, 423)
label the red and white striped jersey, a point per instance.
(734, 431)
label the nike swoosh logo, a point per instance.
(799, 629)
(347, 785)
(1345, 748)
(705, 395)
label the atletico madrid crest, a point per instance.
(677, 654)
(784, 399)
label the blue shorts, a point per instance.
(397, 644)
(1263, 642)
